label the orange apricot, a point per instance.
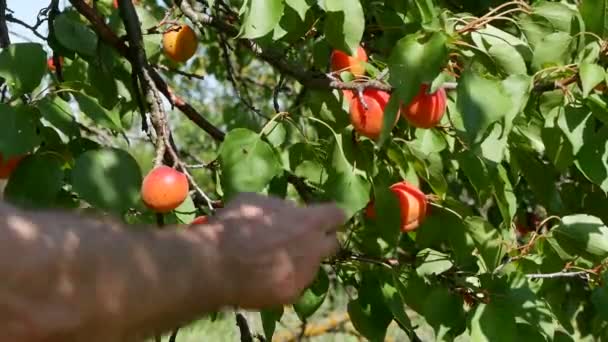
(51, 63)
(425, 110)
(7, 167)
(341, 61)
(368, 121)
(412, 204)
(180, 43)
(199, 220)
(164, 189)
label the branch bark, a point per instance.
(5, 39)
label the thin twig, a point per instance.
(557, 275)
(176, 71)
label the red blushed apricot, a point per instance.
(51, 64)
(368, 121)
(8, 166)
(341, 61)
(425, 110)
(412, 204)
(199, 220)
(164, 189)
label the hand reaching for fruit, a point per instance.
(270, 249)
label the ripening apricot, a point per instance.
(368, 121)
(164, 189)
(51, 63)
(180, 43)
(426, 110)
(412, 203)
(199, 220)
(8, 166)
(341, 61)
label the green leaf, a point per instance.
(477, 173)
(429, 141)
(300, 6)
(247, 162)
(101, 116)
(592, 159)
(18, 130)
(582, 233)
(109, 179)
(261, 17)
(591, 75)
(595, 15)
(394, 301)
(348, 190)
(344, 185)
(482, 102)
(416, 58)
(430, 168)
(493, 322)
(488, 240)
(75, 35)
(313, 297)
(269, 318)
(59, 113)
(23, 65)
(559, 15)
(432, 262)
(553, 50)
(557, 148)
(434, 233)
(391, 111)
(599, 298)
(427, 13)
(540, 177)
(36, 181)
(344, 24)
(448, 319)
(387, 222)
(504, 195)
(186, 212)
(508, 59)
(369, 313)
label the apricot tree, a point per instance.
(466, 141)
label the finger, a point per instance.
(329, 246)
(326, 218)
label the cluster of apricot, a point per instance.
(367, 111)
(367, 115)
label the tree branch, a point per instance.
(109, 37)
(557, 275)
(5, 39)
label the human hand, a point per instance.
(269, 249)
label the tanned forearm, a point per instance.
(68, 278)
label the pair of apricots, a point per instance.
(367, 114)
